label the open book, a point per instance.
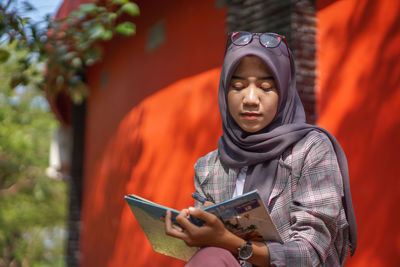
(245, 215)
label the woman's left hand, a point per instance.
(211, 233)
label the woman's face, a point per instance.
(252, 96)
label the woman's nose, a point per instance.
(251, 96)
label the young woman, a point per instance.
(299, 170)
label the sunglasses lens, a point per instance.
(241, 38)
(269, 40)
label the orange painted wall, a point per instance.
(151, 114)
(359, 102)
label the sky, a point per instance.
(43, 7)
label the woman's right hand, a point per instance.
(211, 233)
(208, 204)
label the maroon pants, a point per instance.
(213, 256)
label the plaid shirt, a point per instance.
(305, 203)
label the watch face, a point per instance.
(246, 251)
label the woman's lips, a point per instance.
(250, 115)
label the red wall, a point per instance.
(359, 102)
(151, 114)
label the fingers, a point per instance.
(176, 227)
(204, 215)
(192, 234)
(171, 229)
(183, 220)
(168, 223)
(208, 204)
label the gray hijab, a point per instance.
(262, 150)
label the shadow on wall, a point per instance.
(359, 103)
(152, 154)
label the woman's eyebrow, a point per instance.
(266, 78)
(261, 78)
(237, 77)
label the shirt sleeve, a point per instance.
(314, 210)
(198, 189)
(202, 169)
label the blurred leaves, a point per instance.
(88, 8)
(38, 59)
(130, 8)
(33, 207)
(28, 6)
(126, 28)
(119, 2)
(4, 55)
(69, 45)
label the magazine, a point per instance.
(246, 216)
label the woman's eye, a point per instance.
(266, 86)
(237, 85)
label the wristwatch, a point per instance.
(245, 251)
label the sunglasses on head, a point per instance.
(268, 40)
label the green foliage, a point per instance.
(126, 28)
(129, 8)
(4, 55)
(33, 206)
(69, 45)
